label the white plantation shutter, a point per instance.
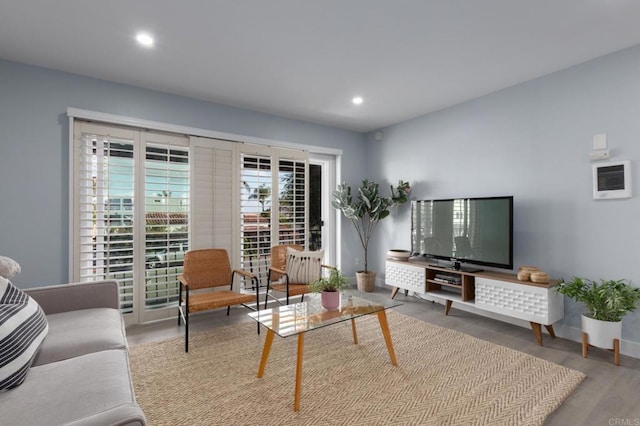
(165, 234)
(272, 180)
(141, 199)
(256, 189)
(104, 161)
(293, 178)
(213, 208)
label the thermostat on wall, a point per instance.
(612, 180)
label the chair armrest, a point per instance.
(244, 273)
(279, 271)
(75, 296)
(329, 267)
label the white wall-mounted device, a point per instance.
(612, 180)
(600, 151)
(599, 154)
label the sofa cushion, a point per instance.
(84, 390)
(23, 327)
(303, 267)
(81, 332)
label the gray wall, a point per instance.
(34, 152)
(532, 141)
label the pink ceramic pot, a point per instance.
(330, 299)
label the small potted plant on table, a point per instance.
(329, 288)
(607, 303)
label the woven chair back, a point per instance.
(207, 268)
(279, 257)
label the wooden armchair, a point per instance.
(210, 269)
(290, 279)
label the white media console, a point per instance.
(496, 292)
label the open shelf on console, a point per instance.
(466, 286)
(458, 286)
(448, 295)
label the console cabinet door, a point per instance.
(407, 277)
(530, 303)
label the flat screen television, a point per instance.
(477, 231)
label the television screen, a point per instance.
(468, 230)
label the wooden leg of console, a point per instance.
(549, 328)
(394, 291)
(447, 307)
(537, 332)
(616, 351)
(585, 344)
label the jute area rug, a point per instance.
(443, 377)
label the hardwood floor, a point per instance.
(608, 396)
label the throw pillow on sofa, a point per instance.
(23, 327)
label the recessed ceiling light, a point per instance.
(357, 100)
(144, 39)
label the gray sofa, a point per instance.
(80, 375)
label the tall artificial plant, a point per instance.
(369, 208)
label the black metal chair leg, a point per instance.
(186, 323)
(257, 284)
(186, 332)
(179, 300)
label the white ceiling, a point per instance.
(306, 59)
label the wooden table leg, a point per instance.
(355, 333)
(537, 332)
(394, 291)
(616, 351)
(447, 307)
(265, 352)
(296, 401)
(382, 318)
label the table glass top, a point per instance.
(290, 320)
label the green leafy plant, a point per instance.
(334, 282)
(606, 301)
(368, 208)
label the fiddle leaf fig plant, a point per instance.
(369, 208)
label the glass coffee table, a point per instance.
(298, 318)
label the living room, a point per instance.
(530, 139)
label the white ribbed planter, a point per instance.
(601, 333)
